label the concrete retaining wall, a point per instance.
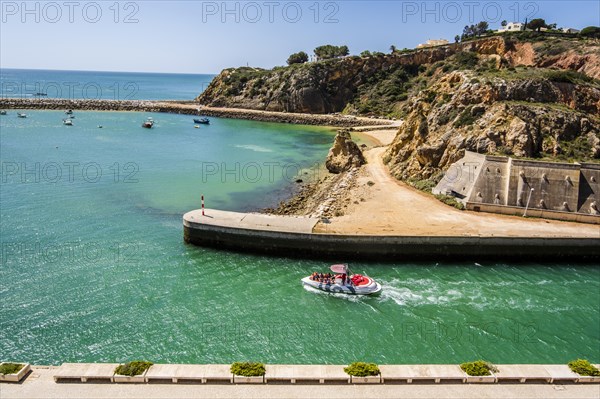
(533, 212)
(384, 248)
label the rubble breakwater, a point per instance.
(187, 108)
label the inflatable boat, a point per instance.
(343, 282)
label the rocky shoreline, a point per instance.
(189, 108)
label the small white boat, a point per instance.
(3, 112)
(343, 282)
(149, 123)
(21, 115)
(69, 112)
(68, 122)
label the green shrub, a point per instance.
(450, 200)
(466, 118)
(137, 367)
(248, 369)
(478, 368)
(584, 367)
(361, 369)
(568, 77)
(423, 185)
(466, 59)
(10, 368)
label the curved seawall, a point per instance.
(293, 236)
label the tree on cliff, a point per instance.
(537, 24)
(297, 58)
(392, 49)
(328, 51)
(471, 31)
(590, 31)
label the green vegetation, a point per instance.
(137, 367)
(473, 31)
(361, 369)
(383, 91)
(568, 77)
(468, 117)
(584, 367)
(450, 200)
(328, 51)
(424, 185)
(590, 31)
(248, 369)
(478, 368)
(10, 368)
(297, 58)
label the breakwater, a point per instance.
(188, 108)
(293, 236)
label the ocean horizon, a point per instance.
(101, 85)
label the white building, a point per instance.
(512, 27)
(433, 43)
(570, 30)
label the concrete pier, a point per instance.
(294, 236)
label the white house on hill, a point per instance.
(433, 43)
(512, 27)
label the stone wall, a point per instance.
(544, 186)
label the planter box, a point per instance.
(484, 379)
(18, 376)
(138, 379)
(372, 379)
(238, 379)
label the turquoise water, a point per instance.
(94, 267)
(27, 83)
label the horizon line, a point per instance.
(96, 70)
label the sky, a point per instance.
(208, 36)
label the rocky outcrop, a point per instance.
(524, 118)
(344, 155)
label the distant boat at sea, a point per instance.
(21, 115)
(149, 123)
(40, 94)
(69, 112)
(203, 121)
(2, 112)
(68, 122)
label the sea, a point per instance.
(93, 266)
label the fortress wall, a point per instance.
(502, 182)
(461, 176)
(553, 183)
(589, 189)
(491, 186)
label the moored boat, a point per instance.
(149, 123)
(68, 122)
(3, 112)
(203, 121)
(343, 282)
(69, 111)
(21, 115)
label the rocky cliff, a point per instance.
(378, 85)
(531, 117)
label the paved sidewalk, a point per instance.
(40, 384)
